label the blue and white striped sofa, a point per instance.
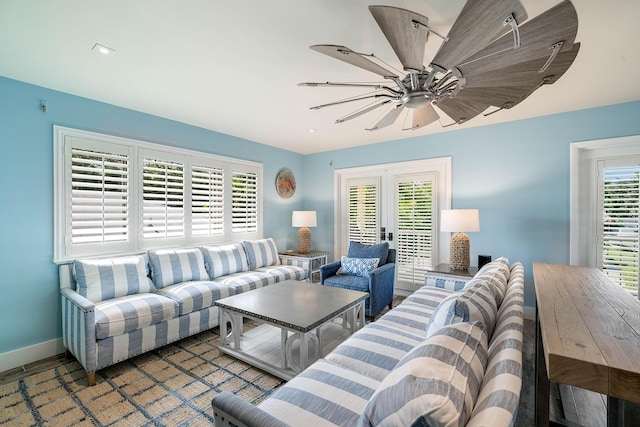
(449, 354)
(116, 308)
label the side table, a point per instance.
(443, 276)
(315, 258)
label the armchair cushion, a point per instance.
(357, 266)
(380, 251)
(103, 279)
(355, 283)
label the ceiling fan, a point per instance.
(492, 57)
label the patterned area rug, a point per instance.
(171, 386)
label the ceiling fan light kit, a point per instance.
(492, 57)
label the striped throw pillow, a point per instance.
(170, 266)
(435, 384)
(224, 260)
(103, 279)
(261, 253)
(476, 303)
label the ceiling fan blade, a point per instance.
(406, 32)
(423, 116)
(361, 111)
(503, 97)
(526, 74)
(480, 22)
(459, 111)
(538, 36)
(347, 55)
(347, 100)
(388, 118)
(335, 84)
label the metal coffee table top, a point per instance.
(296, 305)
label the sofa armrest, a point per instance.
(328, 270)
(79, 328)
(231, 410)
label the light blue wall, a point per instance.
(516, 174)
(29, 297)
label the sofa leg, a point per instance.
(390, 305)
(372, 318)
(91, 378)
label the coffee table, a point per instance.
(299, 314)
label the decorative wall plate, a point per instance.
(285, 183)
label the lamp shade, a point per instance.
(303, 219)
(459, 220)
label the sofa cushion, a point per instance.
(496, 274)
(476, 303)
(355, 283)
(357, 266)
(261, 253)
(194, 296)
(225, 259)
(436, 383)
(284, 272)
(103, 279)
(125, 314)
(380, 251)
(246, 281)
(169, 266)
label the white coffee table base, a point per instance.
(294, 351)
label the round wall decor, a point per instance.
(285, 183)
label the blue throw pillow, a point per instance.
(357, 266)
(380, 251)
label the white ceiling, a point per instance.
(233, 66)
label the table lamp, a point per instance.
(304, 220)
(459, 221)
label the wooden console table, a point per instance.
(587, 335)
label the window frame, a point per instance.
(65, 251)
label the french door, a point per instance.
(398, 203)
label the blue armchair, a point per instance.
(378, 282)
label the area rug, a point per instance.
(171, 386)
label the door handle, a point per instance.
(390, 237)
(383, 233)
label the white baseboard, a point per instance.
(30, 354)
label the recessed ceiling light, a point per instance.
(103, 50)
(312, 130)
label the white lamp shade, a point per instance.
(304, 219)
(460, 220)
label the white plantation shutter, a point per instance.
(619, 203)
(99, 196)
(163, 194)
(207, 201)
(415, 228)
(364, 211)
(244, 201)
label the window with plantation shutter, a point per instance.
(99, 196)
(619, 205)
(115, 195)
(207, 201)
(364, 211)
(415, 226)
(244, 201)
(163, 192)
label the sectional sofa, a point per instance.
(118, 307)
(449, 354)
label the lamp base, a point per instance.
(459, 252)
(304, 240)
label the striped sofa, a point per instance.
(116, 308)
(449, 354)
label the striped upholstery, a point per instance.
(169, 266)
(194, 296)
(246, 281)
(103, 279)
(317, 395)
(322, 395)
(496, 274)
(284, 272)
(261, 253)
(226, 259)
(436, 383)
(477, 303)
(125, 314)
(444, 282)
